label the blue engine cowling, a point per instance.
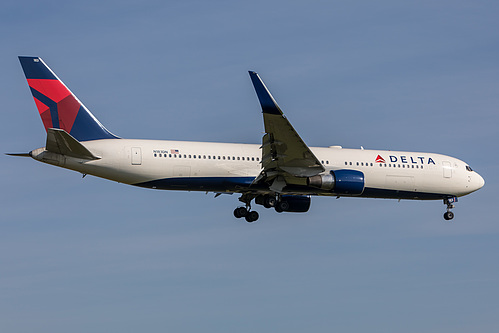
(350, 182)
(296, 203)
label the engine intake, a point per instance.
(349, 182)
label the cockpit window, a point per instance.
(469, 168)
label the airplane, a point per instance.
(282, 173)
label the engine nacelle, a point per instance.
(349, 182)
(324, 182)
(295, 203)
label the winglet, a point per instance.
(268, 103)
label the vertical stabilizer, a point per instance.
(58, 107)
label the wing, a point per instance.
(286, 158)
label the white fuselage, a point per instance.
(229, 167)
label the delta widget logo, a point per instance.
(380, 159)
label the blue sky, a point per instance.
(90, 255)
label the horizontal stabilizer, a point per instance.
(60, 142)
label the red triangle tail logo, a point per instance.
(380, 159)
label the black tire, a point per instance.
(269, 202)
(252, 216)
(283, 205)
(240, 212)
(448, 216)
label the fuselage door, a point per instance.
(447, 169)
(136, 156)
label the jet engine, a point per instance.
(350, 182)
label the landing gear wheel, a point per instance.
(269, 202)
(252, 216)
(240, 212)
(449, 202)
(281, 206)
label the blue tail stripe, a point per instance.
(50, 103)
(85, 128)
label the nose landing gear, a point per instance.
(448, 215)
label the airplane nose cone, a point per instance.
(481, 181)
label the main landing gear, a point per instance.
(448, 215)
(267, 201)
(249, 215)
